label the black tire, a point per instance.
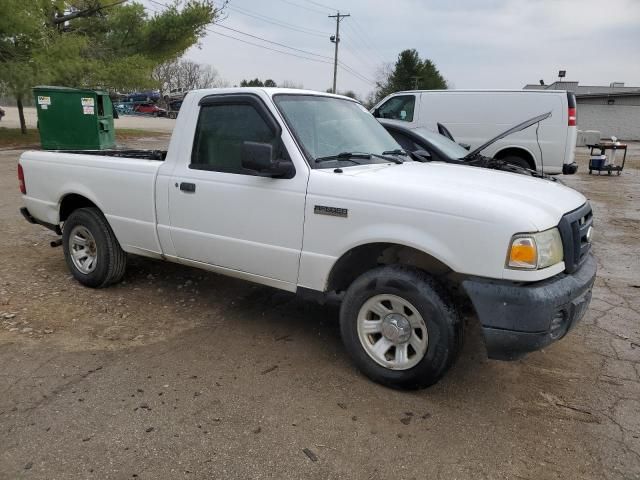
(444, 326)
(111, 260)
(518, 161)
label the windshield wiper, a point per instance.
(349, 156)
(397, 151)
(388, 159)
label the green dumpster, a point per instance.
(74, 119)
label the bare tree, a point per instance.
(290, 84)
(186, 75)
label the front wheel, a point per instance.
(399, 327)
(91, 249)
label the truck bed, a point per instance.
(121, 183)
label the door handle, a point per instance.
(188, 187)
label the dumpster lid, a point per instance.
(40, 88)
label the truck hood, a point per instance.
(478, 194)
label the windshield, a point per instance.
(446, 146)
(328, 126)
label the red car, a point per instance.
(150, 109)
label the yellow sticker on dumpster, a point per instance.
(87, 102)
(44, 100)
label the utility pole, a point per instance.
(336, 39)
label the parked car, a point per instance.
(426, 145)
(2, 113)
(150, 109)
(308, 193)
(177, 93)
(174, 108)
(475, 115)
(148, 96)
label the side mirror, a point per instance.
(258, 158)
(421, 155)
(376, 112)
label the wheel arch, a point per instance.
(517, 151)
(73, 201)
(362, 258)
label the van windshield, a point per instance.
(333, 127)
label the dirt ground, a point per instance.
(179, 373)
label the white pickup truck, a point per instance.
(308, 193)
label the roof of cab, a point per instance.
(271, 91)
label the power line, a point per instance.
(359, 54)
(322, 58)
(363, 34)
(333, 9)
(272, 42)
(355, 73)
(269, 48)
(303, 6)
(259, 38)
(366, 50)
(279, 23)
(363, 45)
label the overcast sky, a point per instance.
(474, 43)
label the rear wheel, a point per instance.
(518, 161)
(399, 327)
(91, 249)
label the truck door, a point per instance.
(226, 216)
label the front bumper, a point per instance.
(518, 318)
(569, 168)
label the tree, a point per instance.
(256, 82)
(187, 75)
(92, 43)
(290, 84)
(410, 72)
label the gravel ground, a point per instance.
(179, 373)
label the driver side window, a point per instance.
(398, 108)
(221, 132)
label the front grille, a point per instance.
(574, 227)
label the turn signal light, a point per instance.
(523, 253)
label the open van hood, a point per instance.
(517, 128)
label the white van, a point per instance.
(475, 116)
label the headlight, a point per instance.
(535, 250)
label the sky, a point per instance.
(474, 43)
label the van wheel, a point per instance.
(518, 161)
(91, 250)
(399, 327)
